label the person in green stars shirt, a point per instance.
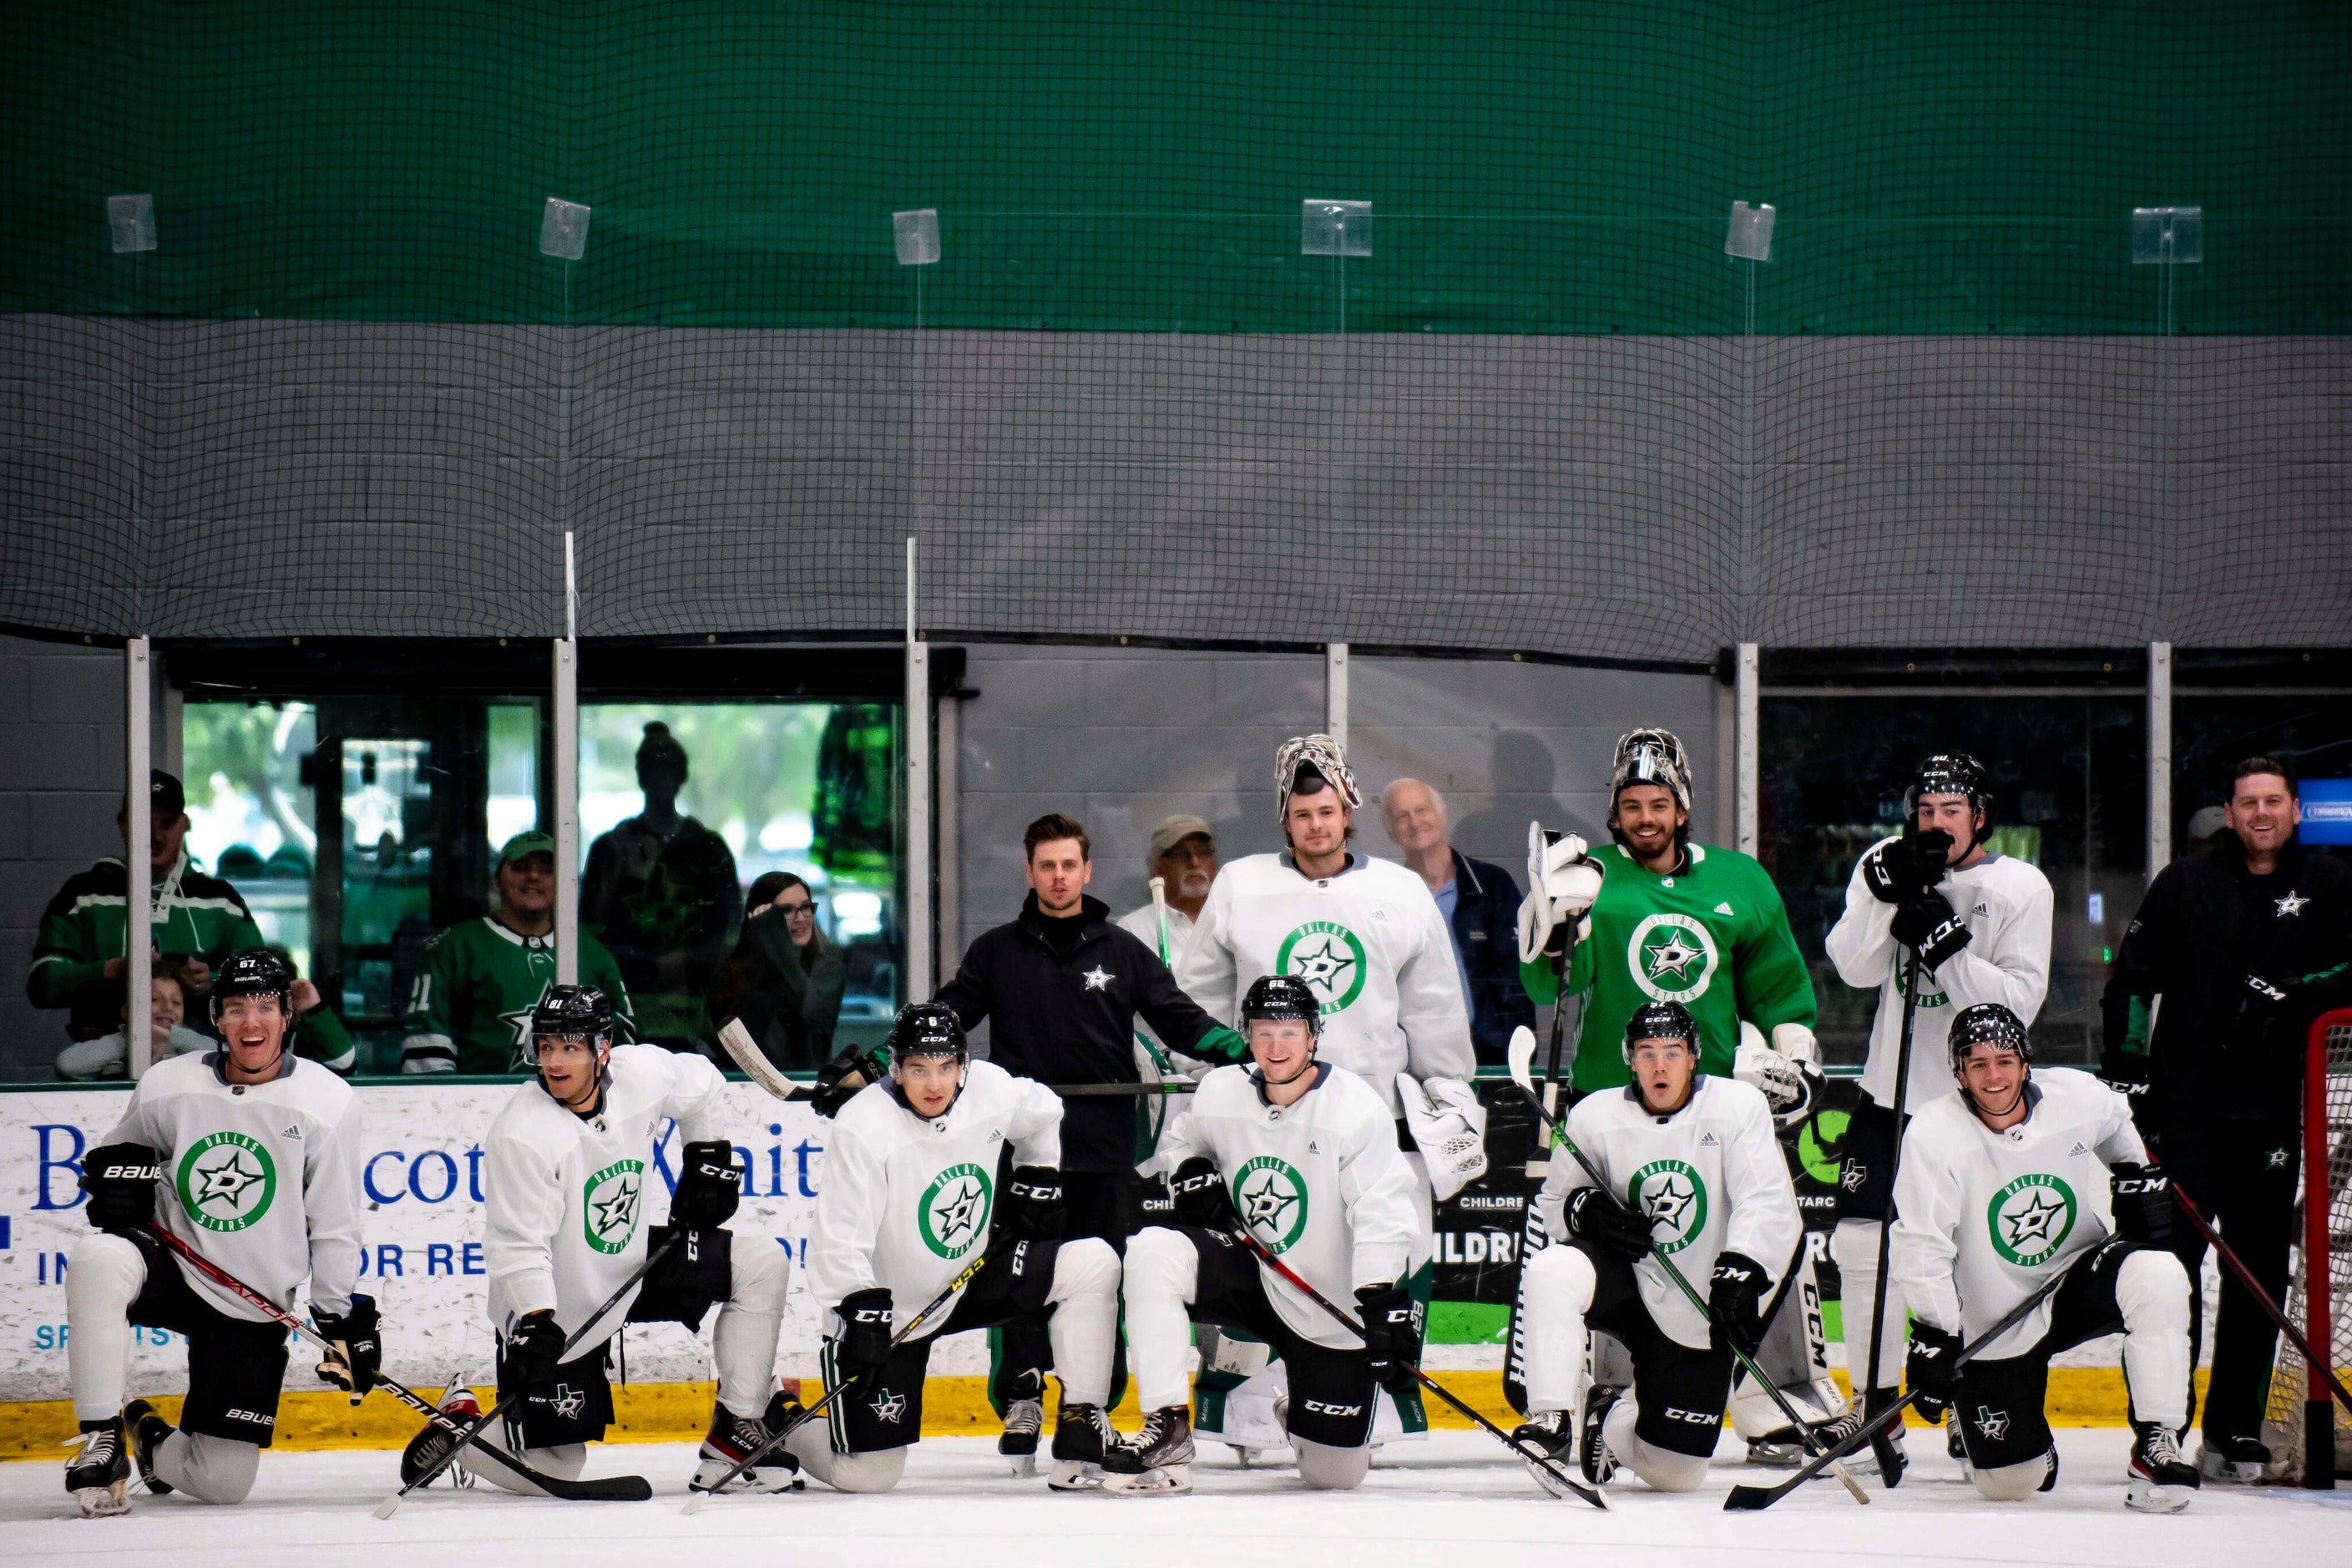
(470, 1011)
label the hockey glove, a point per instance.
(534, 1350)
(1449, 1127)
(1033, 1205)
(1562, 883)
(1202, 1199)
(1927, 925)
(863, 1344)
(1891, 871)
(1391, 1333)
(1595, 1217)
(838, 1081)
(1734, 1302)
(120, 1180)
(709, 1186)
(354, 1353)
(2143, 1203)
(1930, 1371)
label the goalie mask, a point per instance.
(1311, 757)
(1652, 757)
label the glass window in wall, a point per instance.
(2069, 779)
(2309, 730)
(741, 860)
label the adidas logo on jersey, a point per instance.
(2078, 1148)
(292, 1131)
(1980, 910)
(998, 1137)
(1315, 1148)
(1723, 908)
(1706, 1140)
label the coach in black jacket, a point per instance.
(2233, 954)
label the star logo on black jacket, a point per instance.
(2292, 904)
(1098, 978)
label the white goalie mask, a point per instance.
(1653, 757)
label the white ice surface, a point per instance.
(1451, 1500)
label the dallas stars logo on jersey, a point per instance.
(952, 1212)
(1671, 1195)
(1329, 958)
(2031, 1218)
(609, 1205)
(226, 1181)
(1271, 1198)
(1671, 957)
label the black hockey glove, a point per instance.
(120, 1180)
(709, 1186)
(1734, 1302)
(1929, 1371)
(1598, 1217)
(1891, 871)
(1202, 1200)
(1391, 1333)
(838, 1081)
(863, 1344)
(535, 1349)
(1033, 1207)
(2143, 1203)
(354, 1355)
(1925, 924)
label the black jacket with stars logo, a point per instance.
(1069, 1018)
(2218, 1049)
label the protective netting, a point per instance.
(2283, 1418)
(340, 373)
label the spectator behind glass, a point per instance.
(784, 979)
(104, 1058)
(1480, 904)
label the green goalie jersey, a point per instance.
(470, 1011)
(1714, 936)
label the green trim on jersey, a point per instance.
(480, 982)
(1714, 938)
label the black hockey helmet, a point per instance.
(1281, 996)
(928, 1029)
(572, 1013)
(1987, 1023)
(255, 972)
(1951, 773)
(1659, 1021)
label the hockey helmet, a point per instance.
(255, 972)
(1659, 1021)
(1987, 1023)
(1281, 996)
(1951, 773)
(1652, 757)
(928, 1029)
(572, 1013)
(1303, 757)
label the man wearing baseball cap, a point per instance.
(1183, 856)
(470, 1011)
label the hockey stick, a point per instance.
(703, 1494)
(1159, 907)
(1546, 1472)
(2245, 1278)
(617, 1488)
(1744, 1498)
(1520, 1055)
(736, 1041)
(1890, 1460)
(391, 1505)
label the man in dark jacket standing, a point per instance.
(1480, 904)
(2232, 955)
(1063, 986)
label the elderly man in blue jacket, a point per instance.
(1480, 904)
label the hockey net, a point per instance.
(2321, 1274)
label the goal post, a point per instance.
(2310, 1436)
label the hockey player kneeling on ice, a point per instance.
(909, 1194)
(564, 1170)
(257, 1155)
(1704, 1184)
(2017, 1175)
(1304, 1154)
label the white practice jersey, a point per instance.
(564, 1196)
(262, 1179)
(904, 1203)
(1983, 1219)
(1143, 924)
(1369, 943)
(1320, 1183)
(2006, 905)
(1711, 1177)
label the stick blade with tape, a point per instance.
(736, 1041)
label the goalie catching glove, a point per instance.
(1785, 1072)
(1562, 883)
(1449, 1128)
